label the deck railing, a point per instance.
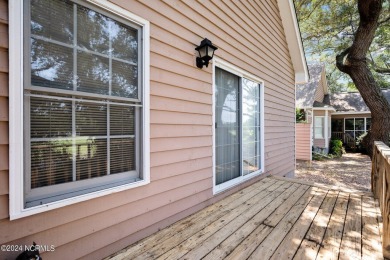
(380, 185)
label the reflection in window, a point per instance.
(99, 55)
(83, 99)
(319, 127)
(337, 125)
(237, 126)
(355, 127)
(250, 126)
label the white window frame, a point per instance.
(220, 63)
(354, 124)
(16, 172)
(322, 127)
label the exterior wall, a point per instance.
(303, 141)
(181, 126)
(322, 143)
(3, 111)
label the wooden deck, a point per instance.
(275, 218)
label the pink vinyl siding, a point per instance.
(303, 141)
(249, 35)
(320, 91)
(3, 110)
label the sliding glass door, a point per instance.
(237, 127)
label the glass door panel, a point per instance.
(227, 126)
(250, 126)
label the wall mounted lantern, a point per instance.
(206, 52)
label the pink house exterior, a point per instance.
(108, 130)
(343, 116)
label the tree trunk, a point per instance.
(353, 62)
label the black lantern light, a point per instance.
(206, 52)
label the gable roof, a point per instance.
(305, 93)
(352, 101)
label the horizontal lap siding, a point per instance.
(319, 95)
(180, 126)
(3, 110)
(303, 142)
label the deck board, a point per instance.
(292, 240)
(330, 245)
(352, 239)
(275, 218)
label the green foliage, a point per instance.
(328, 28)
(336, 148)
(300, 115)
(321, 156)
(360, 144)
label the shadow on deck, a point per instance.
(275, 218)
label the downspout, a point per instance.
(326, 130)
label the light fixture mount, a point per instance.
(206, 52)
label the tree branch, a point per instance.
(340, 60)
(378, 69)
(384, 21)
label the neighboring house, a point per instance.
(352, 117)
(312, 99)
(340, 115)
(109, 131)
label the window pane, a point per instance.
(250, 125)
(122, 120)
(349, 124)
(124, 42)
(359, 123)
(91, 119)
(368, 124)
(124, 80)
(51, 163)
(358, 134)
(93, 30)
(122, 151)
(319, 133)
(319, 121)
(227, 126)
(351, 134)
(93, 73)
(337, 125)
(51, 65)
(52, 19)
(91, 158)
(50, 118)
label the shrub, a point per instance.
(336, 147)
(300, 115)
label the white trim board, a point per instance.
(16, 180)
(351, 113)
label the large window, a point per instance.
(355, 127)
(238, 128)
(84, 100)
(319, 127)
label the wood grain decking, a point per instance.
(275, 218)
